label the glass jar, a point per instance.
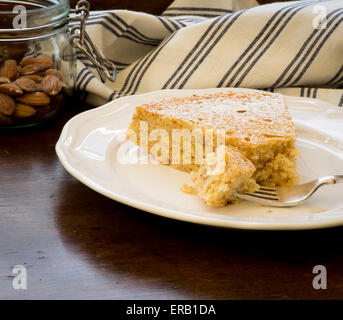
(38, 59)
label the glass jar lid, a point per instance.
(31, 18)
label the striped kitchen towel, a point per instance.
(295, 48)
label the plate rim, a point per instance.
(171, 213)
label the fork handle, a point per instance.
(331, 179)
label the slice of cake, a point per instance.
(221, 174)
(180, 132)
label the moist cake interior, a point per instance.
(221, 174)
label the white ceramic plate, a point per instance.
(91, 148)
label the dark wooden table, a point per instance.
(77, 244)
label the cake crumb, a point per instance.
(221, 174)
(270, 211)
(187, 189)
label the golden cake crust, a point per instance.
(252, 117)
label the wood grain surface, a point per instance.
(77, 244)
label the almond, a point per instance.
(23, 111)
(26, 84)
(35, 77)
(37, 60)
(38, 87)
(4, 120)
(17, 73)
(4, 80)
(51, 85)
(28, 70)
(56, 73)
(9, 69)
(7, 104)
(33, 68)
(35, 99)
(11, 89)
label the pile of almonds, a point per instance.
(27, 87)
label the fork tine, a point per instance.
(262, 196)
(267, 202)
(267, 192)
(267, 188)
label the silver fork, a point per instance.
(288, 196)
